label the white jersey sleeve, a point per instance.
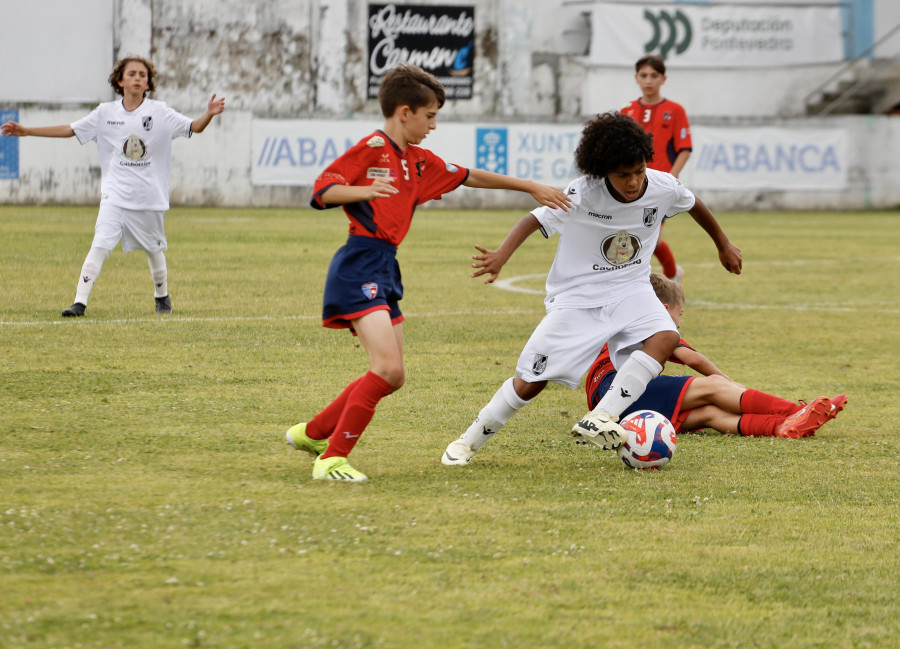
(86, 127)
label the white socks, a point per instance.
(89, 273)
(629, 383)
(503, 405)
(157, 261)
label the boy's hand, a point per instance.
(488, 263)
(730, 257)
(551, 197)
(12, 128)
(381, 188)
(215, 106)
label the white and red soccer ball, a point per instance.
(651, 440)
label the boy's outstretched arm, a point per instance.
(543, 194)
(489, 262)
(213, 108)
(14, 128)
(697, 361)
(729, 254)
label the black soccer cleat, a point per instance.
(76, 309)
(164, 304)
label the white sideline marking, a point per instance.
(509, 284)
(85, 321)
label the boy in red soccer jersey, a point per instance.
(671, 131)
(379, 182)
(713, 400)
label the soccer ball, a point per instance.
(651, 440)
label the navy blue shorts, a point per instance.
(363, 277)
(664, 394)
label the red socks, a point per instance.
(759, 425)
(664, 254)
(322, 425)
(756, 402)
(359, 401)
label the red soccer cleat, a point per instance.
(806, 421)
(837, 404)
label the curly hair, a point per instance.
(409, 85)
(118, 73)
(611, 141)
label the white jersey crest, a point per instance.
(135, 150)
(605, 245)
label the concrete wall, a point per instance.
(306, 58)
(213, 168)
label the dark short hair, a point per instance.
(409, 85)
(610, 141)
(654, 61)
(119, 72)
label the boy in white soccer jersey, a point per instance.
(134, 141)
(598, 288)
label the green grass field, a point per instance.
(149, 500)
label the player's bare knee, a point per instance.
(396, 376)
(661, 345)
(711, 385)
(528, 391)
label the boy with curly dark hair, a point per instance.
(598, 288)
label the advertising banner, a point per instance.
(768, 158)
(294, 152)
(716, 36)
(438, 38)
(9, 148)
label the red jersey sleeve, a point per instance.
(348, 169)
(416, 173)
(681, 133)
(438, 177)
(681, 343)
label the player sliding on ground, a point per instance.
(380, 181)
(712, 400)
(598, 288)
(134, 141)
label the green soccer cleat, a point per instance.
(336, 468)
(296, 437)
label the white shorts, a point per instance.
(567, 341)
(138, 229)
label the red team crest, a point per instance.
(370, 289)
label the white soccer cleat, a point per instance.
(458, 453)
(600, 428)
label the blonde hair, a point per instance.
(666, 290)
